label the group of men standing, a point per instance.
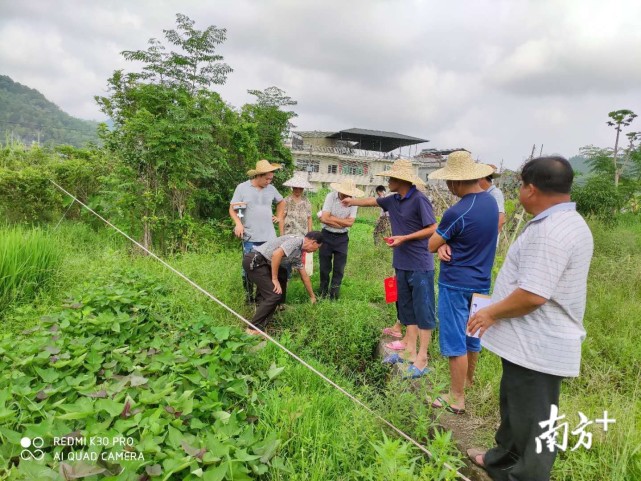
(534, 322)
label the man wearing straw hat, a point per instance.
(469, 230)
(412, 219)
(253, 200)
(336, 219)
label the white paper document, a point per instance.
(479, 301)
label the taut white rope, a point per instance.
(264, 334)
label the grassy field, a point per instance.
(323, 435)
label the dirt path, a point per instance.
(464, 427)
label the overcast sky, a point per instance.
(494, 76)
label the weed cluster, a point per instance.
(28, 260)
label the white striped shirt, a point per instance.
(551, 259)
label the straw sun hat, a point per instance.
(495, 174)
(299, 180)
(347, 187)
(461, 166)
(402, 169)
(263, 167)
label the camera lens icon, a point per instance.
(36, 454)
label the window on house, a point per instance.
(308, 165)
(332, 169)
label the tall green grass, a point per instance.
(28, 260)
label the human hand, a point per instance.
(312, 299)
(239, 230)
(274, 219)
(481, 322)
(277, 289)
(445, 253)
(347, 201)
(395, 240)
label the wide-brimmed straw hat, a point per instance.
(347, 187)
(403, 170)
(461, 166)
(495, 174)
(263, 167)
(299, 180)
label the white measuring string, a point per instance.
(264, 334)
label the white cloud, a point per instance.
(494, 76)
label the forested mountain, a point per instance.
(26, 115)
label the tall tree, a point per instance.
(620, 119)
(164, 123)
(272, 122)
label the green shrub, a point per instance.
(112, 365)
(599, 198)
(28, 260)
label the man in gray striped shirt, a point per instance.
(535, 323)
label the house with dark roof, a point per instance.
(355, 153)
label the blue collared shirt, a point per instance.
(409, 214)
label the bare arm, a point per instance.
(280, 215)
(239, 229)
(362, 202)
(501, 220)
(328, 219)
(307, 283)
(310, 226)
(518, 303)
(397, 240)
(435, 242)
(346, 222)
(277, 257)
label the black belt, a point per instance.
(325, 231)
(257, 260)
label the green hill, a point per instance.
(26, 115)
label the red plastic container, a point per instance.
(391, 292)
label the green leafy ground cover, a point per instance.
(132, 351)
(315, 431)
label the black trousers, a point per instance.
(259, 271)
(525, 400)
(332, 257)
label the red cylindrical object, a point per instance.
(391, 292)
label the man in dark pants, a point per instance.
(413, 222)
(336, 219)
(266, 266)
(256, 197)
(535, 323)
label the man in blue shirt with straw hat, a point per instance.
(468, 232)
(412, 219)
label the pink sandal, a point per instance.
(388, 331)
(395, 346)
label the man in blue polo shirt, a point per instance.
(466, 242)
(412, 219)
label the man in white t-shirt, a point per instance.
(535, 323)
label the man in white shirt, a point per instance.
(336, 219)
(535, 323)
(488, 186)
